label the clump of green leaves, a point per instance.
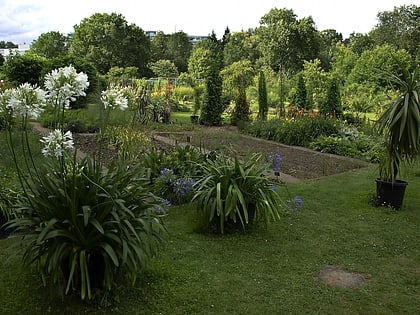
(231, 192)
(82, 227)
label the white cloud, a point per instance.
(25, 20)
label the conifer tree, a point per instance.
(262, 97)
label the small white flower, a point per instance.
(114, 98)
(57, 142)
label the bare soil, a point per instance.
(299, 162)
(338, 277)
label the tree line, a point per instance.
(302, 66)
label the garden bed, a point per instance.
(298, 162)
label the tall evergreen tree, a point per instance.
(332, 106)
(300, 97)
(241, 112)
(262, 97)
(212, 109)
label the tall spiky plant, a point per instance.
(400, 123)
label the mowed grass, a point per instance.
(264, 271)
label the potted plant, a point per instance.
(400, 125)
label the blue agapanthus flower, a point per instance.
(163, 207)
(181, 187)
(275, 161)
(295, 203)
(167, 175)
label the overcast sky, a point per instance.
(22, 21)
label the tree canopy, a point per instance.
(107, 40)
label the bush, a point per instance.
(83, 227)
(300, 131)
(349, 142)
(173, 173)
(76, 125)
(231, 193)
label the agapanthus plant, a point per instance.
(55, 143)
(63, 86)
(114, 98)
(83, 225)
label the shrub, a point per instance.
(76, 125)
(82, 227)
(300, 131)
(233, 193)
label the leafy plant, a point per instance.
(82, 226)
(230, 191)
(400, 124)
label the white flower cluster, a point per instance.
(113, 98)
(65, 84)
(56, 143)
(24, 101)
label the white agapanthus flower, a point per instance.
(5, 97)
(26, 100)
(56, 143)
(114, 98)
(65, 84)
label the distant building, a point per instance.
(22, 48)
(194, 39)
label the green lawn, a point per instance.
(266, 271)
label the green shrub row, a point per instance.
(299, 131)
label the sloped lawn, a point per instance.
(266, 271)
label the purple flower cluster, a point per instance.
(181, 187)
(167, 175)
(275, 161)
(295, 203)
(163, 207)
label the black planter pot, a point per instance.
(390, 194)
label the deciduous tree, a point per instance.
(107, 40)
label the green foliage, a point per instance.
(350, 142)
(173, 173)
(241, 46)
(241, 112)
(236, 75)
(400, 28)
(174, 47)
(299, 99)
(121, 76)
(371, 65)
(285, 41)
(9, 197)
(262, 97)
(231, 192)
(301, 131)
(332, 106)
(129, 142)
(50, 45)
(316, 80)
(213, 107)
(163, 68)
(400, 123)
(24, 68)
(107, 40)
(87, 119)
(183, 93)
(83, 227)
